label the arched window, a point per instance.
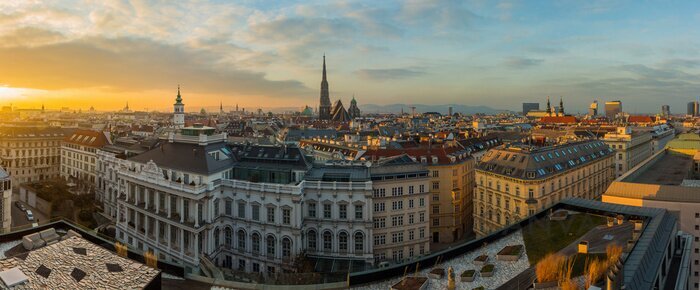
(343, 242)
(312, 240)
(241, 240)
(327, 241)
(270, 243)
(256, 243)
(227, 239)
(359, 242)
(286, 247)
(216, 237)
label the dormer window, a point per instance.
(530, 174)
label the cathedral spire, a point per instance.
(549, 107)
(324, 69)
(324, 108)
(561, 105)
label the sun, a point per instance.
(8, 93)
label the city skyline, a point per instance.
(268, 55)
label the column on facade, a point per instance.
(147, 197)
(169, 206)
(182, 209)
(157, 232)
(118, 215)
(196, 246)
(196, 215)
(145, 222)
(157, 201)
(169, 242)
(136, 196)
(182, 241)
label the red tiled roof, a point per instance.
(640, 119)
(87, 138)
(436, 151)
(558, 119)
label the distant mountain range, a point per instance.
(420, 108)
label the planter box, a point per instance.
(481, 260)
(546, 285)
(468, 278)
(583, 247)
(510, 253)
(411, 283)
(483, 273)
(436, 273)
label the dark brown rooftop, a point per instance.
(670, 169)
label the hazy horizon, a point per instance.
(268, 54)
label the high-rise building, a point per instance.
(593, 109)
(527, 107)
(612, 108)
(5, 198)
(666, 111)
(324, 108)
(179, 111)
(694, 108)
(691, 109)
(516, 181)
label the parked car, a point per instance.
(20, 206)
(30, 215)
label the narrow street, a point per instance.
(19, 218)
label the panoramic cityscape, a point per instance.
(349, 145)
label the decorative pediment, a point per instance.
(151, 170)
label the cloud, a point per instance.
(438, 15)
(128, 64)
(522, 63)
(389, 74)
(29, 37)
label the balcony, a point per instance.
(263, 187)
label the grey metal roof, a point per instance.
(335, 172)
(517, 161)
(187, 157)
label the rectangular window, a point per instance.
(312, 210)
(436, 185)
(286, 216)
(358, 212)
(327, 211)
(241, 210)
(270, 214)
(343, 211)
(228, 207)
(256, 212)
(410, 189)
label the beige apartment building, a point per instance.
(631, 147)
(451, 173)
(79, 156)
(400, 209)
(515, 181)
(31, 153)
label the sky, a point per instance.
(265, 54)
